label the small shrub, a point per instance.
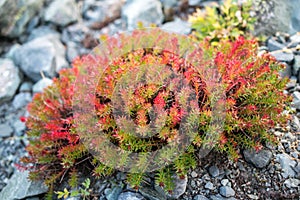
(226, 21)
(253, 104)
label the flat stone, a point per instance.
(281, 56)
(177, 26)
(19, 128)
(224, 182)
(287, 71)
(292, 183)
(287, 165)
(42, 31)
(5, 130)
(19, 187)
(219, 197)
(26, 86)
(273, 45)
(21, 100)
(226, 191)
(43, 54)
(99, 11)
(10, 79)
(152, 194)
(112, 193)
(130, 196)
(214, 171)
(41, 84)
(209, 185)
(259, 159)
(146, 11)
(296, 65)
(179, 188)
(62, 12)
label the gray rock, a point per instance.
(152, 194)
(62, 12)
(72, 51)
(12, 50)
(226, 191)
(5, 130)
(200, 197)
(214, 171)
(21, 100)
(19, 187)
(209, 185)
(281, 56)
(75, 33)
(10, 79)
(287, 71)
(224, 182)
(146, 11)
(194, 174)
(99, 11)
(179, 188)
(19, 128)
(42, 31)
(26, 87)
(287, 165)
(296, 65)
(130, 196)
(42, 55)
(295, 38)
(14, 16)
(177, 26)
(292, 183)
(259, 159)
(292, 83)
(273, 45)
(112, 193)
(41, 84)
(194, 2)
(219, 197)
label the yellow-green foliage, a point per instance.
(226, 21)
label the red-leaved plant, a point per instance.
(253, 104)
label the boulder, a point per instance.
(19, 187)
(146, 11)
(10, 79)
(42, 55)
(62, 12)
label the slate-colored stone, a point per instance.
(259, 159)
(200, 197)
(287, 164)
(281, 56)
(41, 84)
(10, 79)
(177, 26)
(226, 191)
(273, 45)
(21, 100)
(43, 54)
(5, 130)
(146, 11)
(62, 12)
(130, 196)
(19, 187)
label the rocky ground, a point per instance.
(45, 36)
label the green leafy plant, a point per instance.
(226, 21)
(253, 104)
(82, 191)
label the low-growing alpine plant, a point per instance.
(228, 21)
(253, 104)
